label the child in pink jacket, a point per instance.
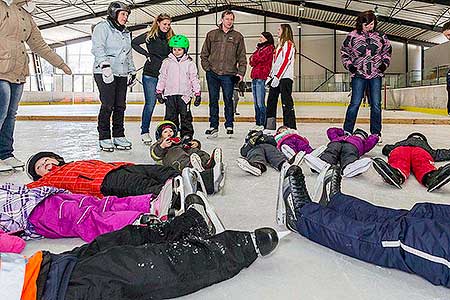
(177, 83)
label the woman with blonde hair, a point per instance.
(281, 79)
(157, 42)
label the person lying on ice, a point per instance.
(161, 261)
(56, 213)
(170, 150)
(97, 178)
(416, 155)
(345, 150)
(414, 241)
(260, 149)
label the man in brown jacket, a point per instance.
(17, 28)
(223, 58)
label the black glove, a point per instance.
(241, 86)
(382, 68)
(132, 80)
(352, 69)
(254, 136)
(160, 98)
(198, 100)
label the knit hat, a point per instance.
(31, 172)
(163, 125)
(418, 135)
(361, 132)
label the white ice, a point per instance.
(299, 269)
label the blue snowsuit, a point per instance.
(415, 241)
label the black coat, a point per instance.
(157, 50)
(419, 140)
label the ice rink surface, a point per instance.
(299, 269)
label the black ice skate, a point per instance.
(390, 175)
(230, 132)
(331, 185)
(266, 240)
(212, 133)
(200, 203)
(439, 178)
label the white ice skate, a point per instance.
(15, 163)
(164, 211)
(106, 145)
(320, 181)
(281, 209)
(196, 162)
(287, 151)
(146, 139)
(212, 133)
(5, 169)
(316, 163)
(218, 170)
(247, 167)
(357, 167)
(121, 143)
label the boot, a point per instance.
(438, 178)
(390, 174)
(331, 185)
(201, 205)
(295, 195)
(249, 167)
(266, 240)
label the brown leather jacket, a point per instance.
(224, 53)
(17, 28)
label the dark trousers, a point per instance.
(448, 92)
(179, 112)
(215, 82)
(113, 97)
(158, 262)
(137, 180)
(359, 86)
(415, 241)
(342, 153)
(285, 89)
(266, 153)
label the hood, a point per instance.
(173, 57)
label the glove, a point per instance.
(275, 82)
(268, 81)
(160, 98)
(107, 74)
(352, 69)
(241, 86)
(254, 136)
(382, 68)
(131, 80)
(198, 100)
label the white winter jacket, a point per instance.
(283, 61)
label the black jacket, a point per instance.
(419, 140)
(157, 50)
(263, 139)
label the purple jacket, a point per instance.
(364, 145)
(292, 139)
(367, 52)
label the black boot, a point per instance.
(390, 174)
(266, 240)
(331, 185)
(295, 195)
(438, 178)
(201, 205)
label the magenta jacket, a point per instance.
(178, 78)
(367, 52)
(294, 140)
(364, 145)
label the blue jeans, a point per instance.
(214, 83)
(10, 94)
(359, 86)
(149, 84)
(259, 95)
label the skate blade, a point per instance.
(379, 169)
(107, 149)
(443, 182)
(248, 170)
(122, 148)
(212, 136)
(6, 173)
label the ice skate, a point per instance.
(316, 163)
(294, 194)
(287, 151)
(439, 178)
(230, 132)
(106, 145)
(265, 240)
(162, 206)
(331, 185)
(248, 167)
(357, 167)
(320, 181)
(146, 139)
(212, 133)
(200, 203)
(298, 158)
(390, 174)
(281, 210)
(121, 143)
(196, 162)
(15, 163)
(5, 169)
(218, 170)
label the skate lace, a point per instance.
(335, 181)
(298, 189)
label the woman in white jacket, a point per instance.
(281, 79)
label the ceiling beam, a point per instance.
(440, 2)
(355, 13)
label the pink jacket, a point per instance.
(178, 78)
(10, 243)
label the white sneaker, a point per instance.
(196, 162)
(5, 167)
(287, 151)
(247, 167)
(14, 162)
(146, 138)
(357, 167)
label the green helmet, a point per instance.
(179, 41)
